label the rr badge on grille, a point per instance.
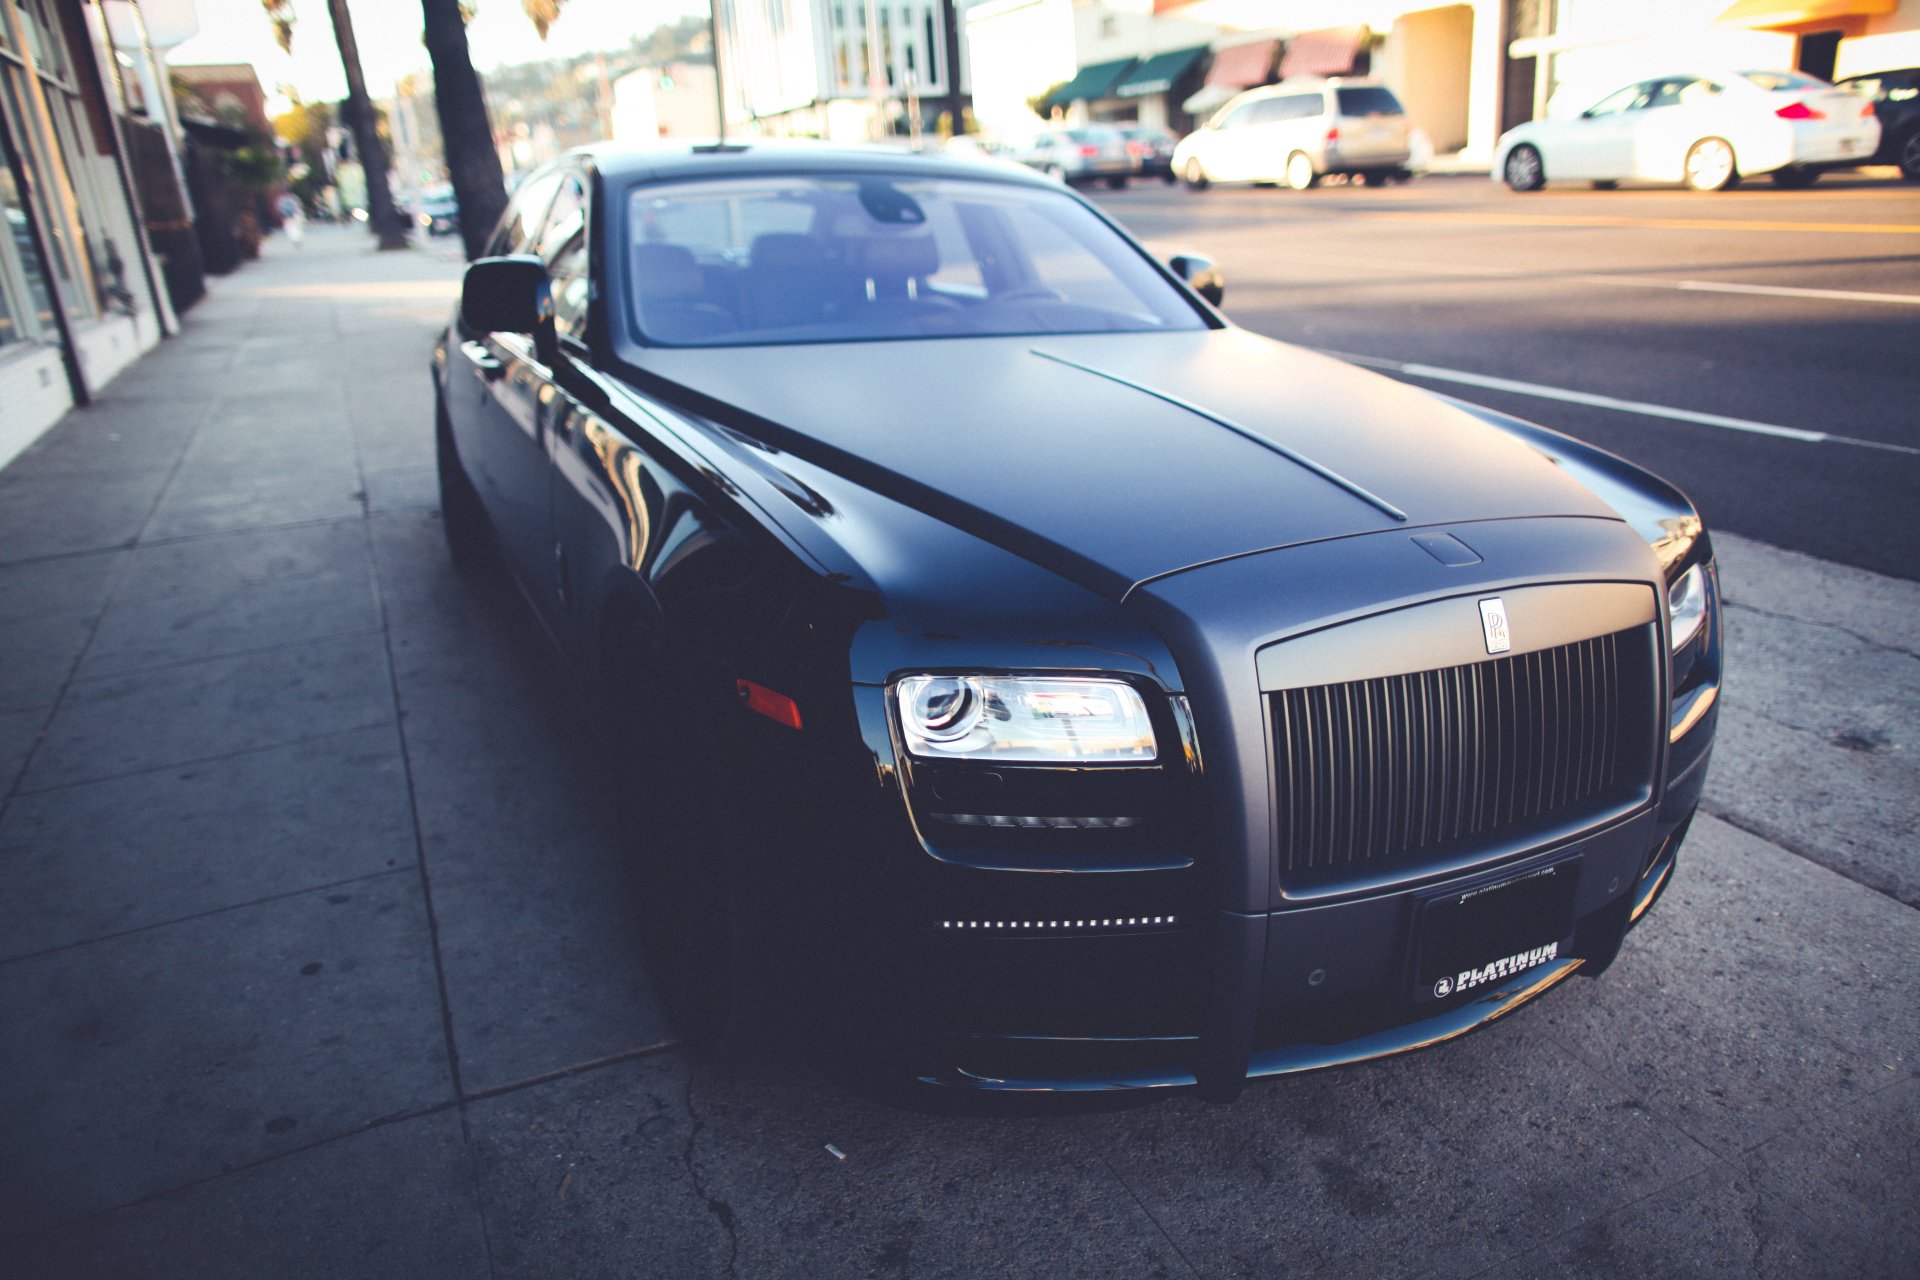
(1493, 621)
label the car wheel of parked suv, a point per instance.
(1910, 158)
(1300, 172)
(1523, 170)
(1119, 183)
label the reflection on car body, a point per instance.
(1027, 678)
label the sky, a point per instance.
(388, 32)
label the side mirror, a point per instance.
(510, 295)
(1201, 275)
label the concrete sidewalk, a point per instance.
(315, 959)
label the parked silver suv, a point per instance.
(1299, 132)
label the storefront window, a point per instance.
(68, 269)
(26, 301)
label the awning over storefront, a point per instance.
(1089, 84)
(1327, 52)
(1240, 65)
(1784, 13)
(1158, 73)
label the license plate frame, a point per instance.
(1467, 939)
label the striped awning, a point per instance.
(1158, 73)
(1239, 66)
(1327, 52)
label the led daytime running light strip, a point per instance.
(1112, 922)
(1036, 823)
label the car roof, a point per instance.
(762, 156)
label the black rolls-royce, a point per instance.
(1027, 679)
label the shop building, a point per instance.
(80, 295)
(846, 70)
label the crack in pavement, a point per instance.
(717, 1207)
(1730, 603)
(1780, 840)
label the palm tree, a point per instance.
(386, 220)
(466, 131)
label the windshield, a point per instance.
(831, 258)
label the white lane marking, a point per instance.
(1787, 291)
(1562, 394)
(1627, 282)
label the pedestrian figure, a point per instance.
(293, 219)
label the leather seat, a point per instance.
(673, 298)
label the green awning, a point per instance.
(1089, 84)
(1158, 73)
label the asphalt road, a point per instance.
(1758, 309)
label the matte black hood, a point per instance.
(1117, 458)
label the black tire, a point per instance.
(1606, 184)
(1795, 178)
(1118, 184)
(1524, 170)
(1168, 177)
(692, 894)
(1910, 157)
(1711, 166)
(1300, 173)
(1196, 175)
(462, 518)
(1376, 177)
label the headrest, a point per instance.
(666, 271)
(899, 257)
(787, 249)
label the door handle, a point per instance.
(488, 365)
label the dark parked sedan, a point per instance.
(1896, 103)
(1020, 677)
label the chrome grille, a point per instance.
(1376, 775)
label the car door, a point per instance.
(487, 381)
(1598, 144)
(526, 401)
(1228, 152)
(1675, 113)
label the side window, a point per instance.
(1697, 93)
(524, 214)
(1616, 102)
(1244, 114)
(568, 272)
(567, 217)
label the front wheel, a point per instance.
(1524, 170)
(1910, 157)
(1196, 175)
(684, 860)
(1300, 172)
(1710, 165)
(1376, 177)
(1117, 184)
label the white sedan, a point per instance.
(1707, 130)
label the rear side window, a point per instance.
(1782, 81)
(1368, 101)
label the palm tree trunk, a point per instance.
(466, 132)
(387, 223)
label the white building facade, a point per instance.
(849, 70)
(80, 297)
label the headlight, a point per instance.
(1037, 719)
(1687, 607)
